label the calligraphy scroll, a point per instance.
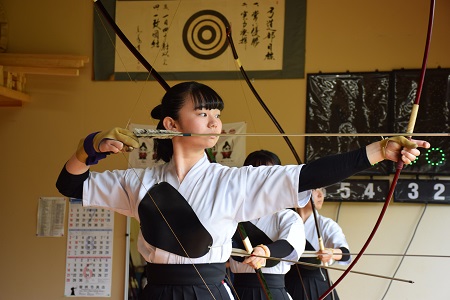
(187, 39)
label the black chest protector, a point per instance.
(256, 236)
(169, 223)
(310, 260)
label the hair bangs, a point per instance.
(206, 98)
(261, 158)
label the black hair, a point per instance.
(261, 158)
(203, 97)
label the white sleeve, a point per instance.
(333, 236)
(292, 230)
(261, 184)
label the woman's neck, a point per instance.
(184, 161)
(305, 212)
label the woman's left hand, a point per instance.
(325, 255)
(254, 261)
(395, 148)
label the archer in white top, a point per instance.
(220, 196)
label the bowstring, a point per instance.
(400, 164)
(297, 210)
(127, 159)
(247, 104)
(406, 250)
(168, 225)
(262, 104)
(321, 241)
(110, 38)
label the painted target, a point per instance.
(204, 34)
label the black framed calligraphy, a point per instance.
(186, 40)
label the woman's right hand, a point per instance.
(98, 145)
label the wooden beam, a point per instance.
(10, 97)
(42, 71)
(43, 60)
(16, 66)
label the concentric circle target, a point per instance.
(204, 34)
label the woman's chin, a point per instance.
(212, 142)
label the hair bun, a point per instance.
(156, 112)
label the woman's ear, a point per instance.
(169, 123)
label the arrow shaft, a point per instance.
(161, 134)
(308, 254)
(237, 252)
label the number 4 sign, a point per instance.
(357, 191)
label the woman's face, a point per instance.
(200, 121)
(318, 198)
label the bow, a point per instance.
(163, 83)
(399, 165)
(249, 248)
(320, 239)
(260, 100)
(130, 46)
(275, 122)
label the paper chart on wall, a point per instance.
(89, 251)
(50, 218)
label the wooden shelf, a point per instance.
(10, 98)
(37, 64)
(50, 61)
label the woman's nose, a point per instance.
(213, 122)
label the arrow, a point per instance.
(243, 253)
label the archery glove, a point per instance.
(401, 140)
(88, 148)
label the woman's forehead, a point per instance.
(317, 192)
(205, 101)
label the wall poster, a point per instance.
(229, 150)
(187, 40)
(89, 251)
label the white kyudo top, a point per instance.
(283, 225)
(219, 195)
(332, 234)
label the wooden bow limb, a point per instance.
(130, 46)
(321, 245)
(399, 166)
(99, 5)
(249, 249)
(258, 97)
(243, 253)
